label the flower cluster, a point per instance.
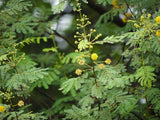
(157, 19)
(84, 39)
(149, 29)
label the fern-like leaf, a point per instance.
(146, 76)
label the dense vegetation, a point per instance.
(104, 66)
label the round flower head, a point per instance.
(81, 62)
(2, 109)
(20, 103)
(158, 33)
(94, 56)
(108, 61)
(158, 19)
(78, 72)
(100, 66)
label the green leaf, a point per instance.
(96, 91)
(83, 44)
(146, 76)
(67, 86)
(50, 49)
(115, 39)
(59, 7)
(86, 101)
(77, 113)
(45, 39)
(73, 57)
(85, 1)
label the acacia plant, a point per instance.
(109, 75)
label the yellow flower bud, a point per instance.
(90, 46)
(149, 15)
(94, 56)
(83, 56)
(100, 66)
(78, 71)
(108, 61)
(142, 17)
(150, 38)
(20, 103)
(76, 42)
(81, 62)
(76, 51)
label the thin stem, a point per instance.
(46, 95)
(148, 118)
(59, 57)
(69, 42)
(84, 30)
(20, 85)
(16, 115)
(94, 73)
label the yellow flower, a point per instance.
(78, 72)
(2, 109)
(100, 66)
(94, 56)
(20, 103)
(108, 61)
(81, 62)
(90, 46)
(76, 51)
(158, 33)
(115, 7)
(128, 14)
(158, 19)
(114, 3)
(124, 19)
(149, 15)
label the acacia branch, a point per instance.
(137, 116)
(45, 94)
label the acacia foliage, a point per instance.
(98, 90)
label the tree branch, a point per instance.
(69, 42)
(45, 94)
